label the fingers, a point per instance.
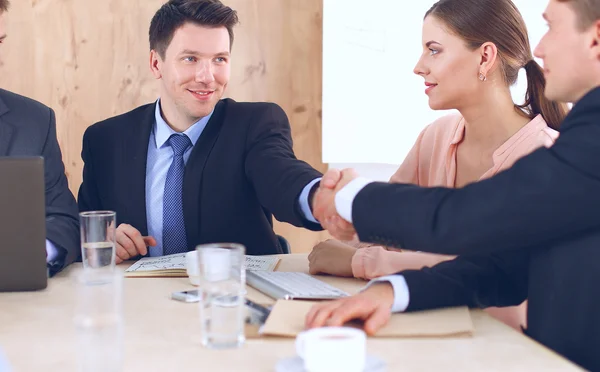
(120, 253)
(337, 313)
(149, 241)
(130, 242)
(331, 178)
(314, 264)
(340, 228)
(348, 174)
(322, 203)
(379, 318)
(125, 245)
(310, 316)
(319, 314)
(356, 307)
(313, 269)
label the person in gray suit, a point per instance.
(28, 128)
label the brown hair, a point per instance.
(499, 22)
(4, 5)
(587, 11)
(175, 13)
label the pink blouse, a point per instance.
(432, 162)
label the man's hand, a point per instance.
(324, 208)
(331, 257)
(131, 243)
(373, 305)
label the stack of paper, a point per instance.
(174, 265)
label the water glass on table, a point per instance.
(222, 288)
(99, 321)
(98, 236)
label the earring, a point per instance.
(482, 77)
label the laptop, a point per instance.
(22, 224)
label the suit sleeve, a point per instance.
(88, 198)
(477, 281)
(62, 220)
(271, 165)
(547, 195)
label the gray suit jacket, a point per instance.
(28, 128)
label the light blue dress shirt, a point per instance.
(51, 252)
(160, 156)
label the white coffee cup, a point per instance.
(191, 267)
(332, 349)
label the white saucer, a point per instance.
(295, 364)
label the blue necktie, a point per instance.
(174, 236)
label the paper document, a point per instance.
(174, 265)
(287, 320)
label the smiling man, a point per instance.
(192, 167)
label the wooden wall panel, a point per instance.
(88, 60)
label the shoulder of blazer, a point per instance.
(28, 111)
(251, 111)
(585, 111)
(124, 122)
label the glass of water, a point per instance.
(99, 321)
(98, 239)
(222, 290)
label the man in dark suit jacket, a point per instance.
(194, 168)
(28, 128)
(531, 232)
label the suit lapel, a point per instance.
(193, 173)
(6, 130)
(134, 168)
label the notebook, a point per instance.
(174, 265)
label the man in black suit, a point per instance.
(28, 128)
(531, 232)
(193, 168)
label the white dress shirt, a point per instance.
(343, 204)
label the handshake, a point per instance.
(323, 203)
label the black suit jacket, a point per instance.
(240, 172)
(532, 231)
(28, 128)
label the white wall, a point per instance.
(373, 105)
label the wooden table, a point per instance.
(37, 333)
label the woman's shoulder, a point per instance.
(543, 135)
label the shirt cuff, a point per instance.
(401, 293)
(345, 197)
(52, 253)
(303, 200)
